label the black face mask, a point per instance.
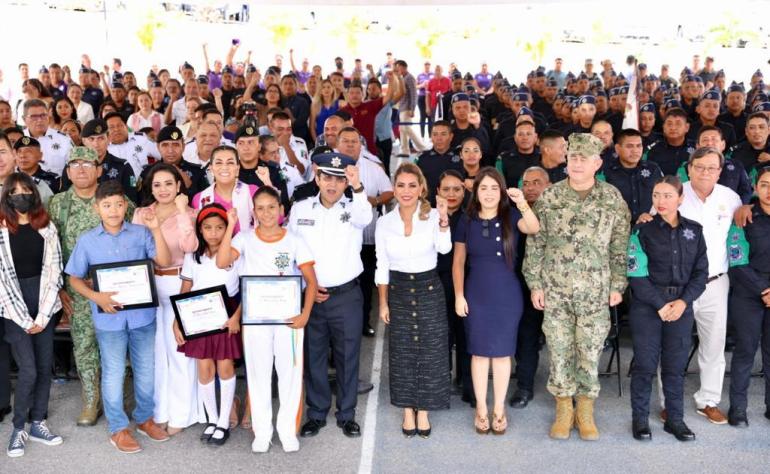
(22, 203)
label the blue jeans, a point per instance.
(140, 344)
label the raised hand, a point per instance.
(232, 217)
(351, 173)
(181, 201)
(516, 196)
(442, 207)
(263, 173)
(150, 219)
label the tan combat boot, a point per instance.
(584, 420)
(91, 408)
(565, 416)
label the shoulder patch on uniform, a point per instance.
(737, 247)
(637, 258)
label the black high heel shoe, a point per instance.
(410, 433)
(424, 434)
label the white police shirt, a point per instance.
(56, 147)
(375, 182)
(299, 148)
(190, 153)
(135, 151)
(334, 235)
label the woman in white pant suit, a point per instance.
(176, 402)
(270, 249)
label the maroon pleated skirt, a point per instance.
(222, 346)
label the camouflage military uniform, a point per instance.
(73, 216)
(577, 259)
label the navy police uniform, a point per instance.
(664, 264)
(669, 157)
(635, 184)
(334, 235)
(51, 179)
(433, 163)
(749, 258)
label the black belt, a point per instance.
(343, 287)
(710, 279)
(671, 290)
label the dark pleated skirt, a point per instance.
(418, 339)
(222, 346)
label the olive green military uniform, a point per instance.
(73, 216)
(577, 259)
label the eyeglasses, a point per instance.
(485, 228)
(85, 165)
(706, 169)
(37, 117)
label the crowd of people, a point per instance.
(515, 212)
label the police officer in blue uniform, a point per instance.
(442, 157)
(674, 149)
(748, 152)
(248, 170)
(633, 178)
(512, 163)
(645, 111)
(708, 113)
(667, 270)
(29, 162)
(171, 146)
(749, 257)
(332, 226)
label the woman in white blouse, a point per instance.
(408, 240)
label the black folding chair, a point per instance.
(613, 338)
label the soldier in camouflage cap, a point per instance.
(73, 213)
(575, 267)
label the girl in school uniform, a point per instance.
(214, 353)
(270, 249)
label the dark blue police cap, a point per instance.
(711, 94)
(460, 96)
(333, 164)
(587, 99)
(648, 107)
(736, 87)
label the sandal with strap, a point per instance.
(234, 418)
(499, 424)
(482, 424)
(207, 432)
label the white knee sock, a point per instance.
(227, 393)
(209, 396)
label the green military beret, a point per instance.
(584, 144)
(81, 153)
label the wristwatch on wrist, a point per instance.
(359, 189)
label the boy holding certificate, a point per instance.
(270, 249)
(119, 332)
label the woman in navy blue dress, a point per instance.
(487, 292)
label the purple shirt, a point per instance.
(423, 77)
(484, 80)
(302, 76)
(215, 80)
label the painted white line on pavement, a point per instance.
(370, 419)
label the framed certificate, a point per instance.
(201, 312)
(134, 281)
(270, 299)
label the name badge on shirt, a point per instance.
(305, 221)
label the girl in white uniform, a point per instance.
(272, 250)
(214, 353)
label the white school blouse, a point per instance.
(413, 254)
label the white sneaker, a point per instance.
(260, 446)
(290, 444)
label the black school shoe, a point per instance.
(350, 428)
(220, 441)
(311, 428)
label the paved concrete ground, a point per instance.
(453, 447)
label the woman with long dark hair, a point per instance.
(30, 280)
(175, 376)
(62, 110)
(487, 291)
